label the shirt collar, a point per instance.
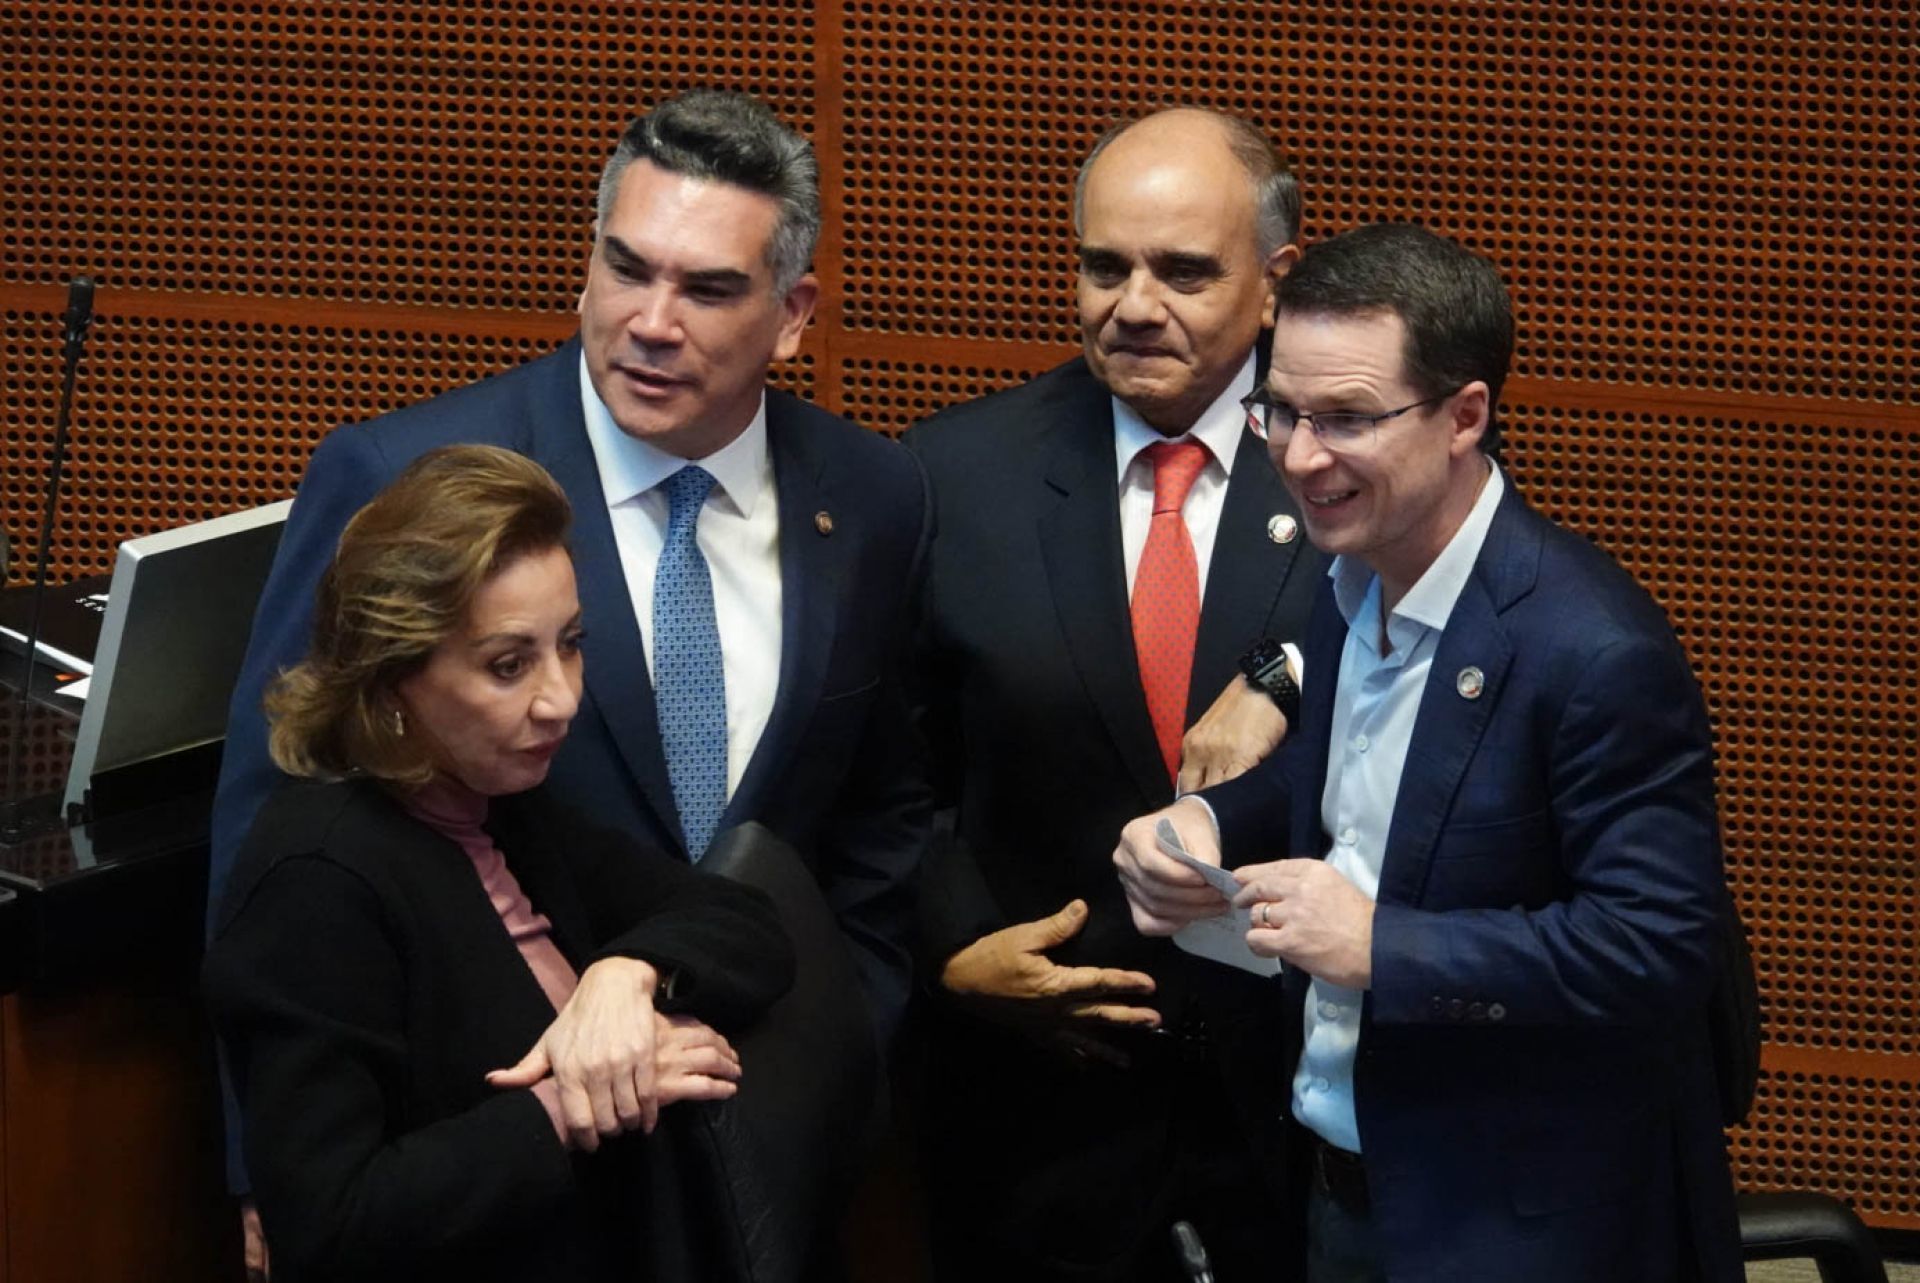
(629, 467)
(1431, 599)
(1218, 428)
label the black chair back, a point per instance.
(781, 1159)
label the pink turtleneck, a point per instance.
(457, 812)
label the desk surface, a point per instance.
(129, 890)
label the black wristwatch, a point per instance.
(1266, 667)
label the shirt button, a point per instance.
(1329, 1011)
(1321, 1084)
(1361, 743)
(1348, 836)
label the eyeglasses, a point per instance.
(1272, 420)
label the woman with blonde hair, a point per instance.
(453, 1010)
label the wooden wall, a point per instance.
(110, 1157)
(305, 213)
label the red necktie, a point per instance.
(1166, 596)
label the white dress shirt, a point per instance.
(1374, 709)
(1218, 429)
(738, 533)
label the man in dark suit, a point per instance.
(1501, 924)
(1110, 541)
(743, 557)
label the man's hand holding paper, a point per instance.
(1174, 892)
(1164, 892)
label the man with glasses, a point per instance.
(1501, 919)
(1109, 539)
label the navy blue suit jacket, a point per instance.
(836, 772)
(1534, 1084)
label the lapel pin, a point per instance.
(1281, 528)
(823, 522)
(1470, 682)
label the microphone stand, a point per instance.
(1193, 1256)
(22, 817)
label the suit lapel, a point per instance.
(616, 659)
(1246, 574)
(1079, 530)
(1320, 653)
(812, 575)
(1326, 639)
(1449, 726)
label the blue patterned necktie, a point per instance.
(689, 681)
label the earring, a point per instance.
(399, 724)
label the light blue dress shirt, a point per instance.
(1374, 708)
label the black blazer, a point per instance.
(1039, 732)
(836, 773)
(1043, 750)
(364, 985)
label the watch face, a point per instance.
(1262, 654)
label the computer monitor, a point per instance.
(179, 611)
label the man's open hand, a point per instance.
(1009, 971)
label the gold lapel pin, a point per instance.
(1470, 682)
(1282, 529)
(823, 522)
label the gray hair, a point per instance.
(727, 137)
(1276, 194)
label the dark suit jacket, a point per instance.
(1534, 1087)
(1042, 743)
(836, 773)
(1037, 725)
(364, 984)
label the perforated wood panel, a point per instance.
(892, 396)
(1778, 549)
(42, 738)
(1812, 1139)
(1665, 212)
(307, 213)
(440, 155)
(181, 420)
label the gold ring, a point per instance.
(1263, 913)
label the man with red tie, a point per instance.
(1110, 544)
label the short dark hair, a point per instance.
(1276, 194)
(1458, 318)
(728, 137)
